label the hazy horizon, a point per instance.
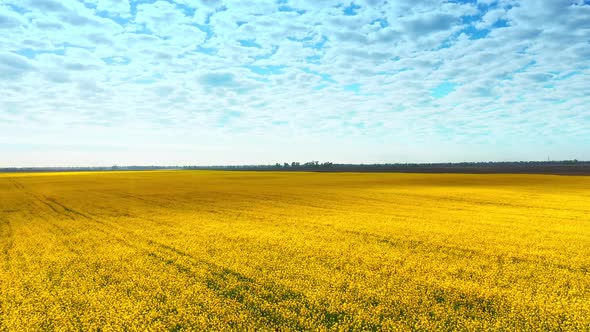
(301, 164)
(213, 82)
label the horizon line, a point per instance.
(298, 165)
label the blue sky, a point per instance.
(102, 82)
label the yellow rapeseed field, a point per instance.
(204, 250)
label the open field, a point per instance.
(194, 250)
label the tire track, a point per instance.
(69, 210)
(41, 201)
(7, 237)
(260, 299)
(222, 281)
(235, 286)
(16, 184)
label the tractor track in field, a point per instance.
(58, 208)
(7, 238)
(235, 286)
(16, 184)
(41, 201)
(222, 281)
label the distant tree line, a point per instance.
(310, 164)
(572, 167)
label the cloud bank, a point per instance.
(98, 82)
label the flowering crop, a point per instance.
(204, 250)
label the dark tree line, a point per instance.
(566, 167)
(310, 164)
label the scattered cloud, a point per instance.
(423, 25)
(216, 80)
(13, 65)
(120, 8)
(10, 19)
(440, 76)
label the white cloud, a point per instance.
(120, 8)
(304, 73)
(13, 66)
(10, 19)
(161, 17)
(490, 18)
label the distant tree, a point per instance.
(285, 165)
(295, 164)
